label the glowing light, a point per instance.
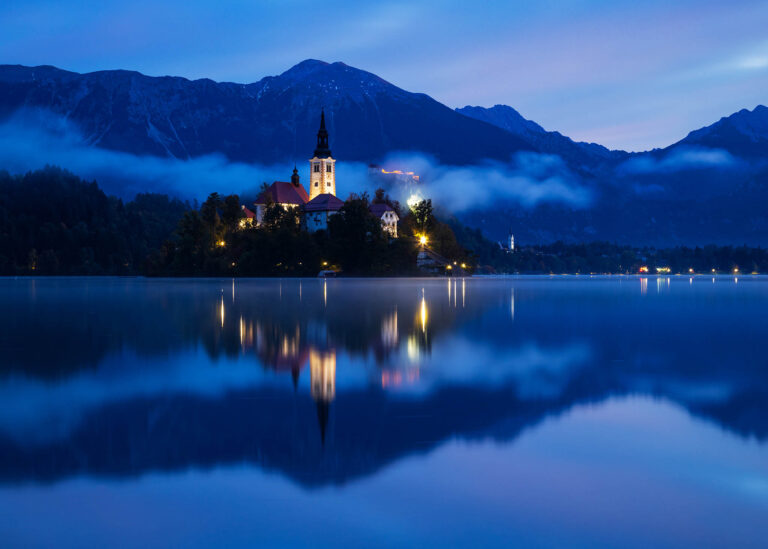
(735, 270)
(423, 240)
(325, 293)
(423, 313)
(221, 243)
(222, 311)
(663, 270)
(325, 263)
(643, 269)
(690, 271)
(413, 200)
(463, 266)
(448, 267)
(512, 305)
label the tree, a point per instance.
(231, 212)
(423, 216)
(357, 241)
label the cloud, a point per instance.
(528, 180)
(32, 139)
(679, 159)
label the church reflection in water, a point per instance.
(328, 381)
(288, 345)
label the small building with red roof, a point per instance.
(318, 210)
(248, 219)
(283, 193)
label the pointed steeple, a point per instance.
(322, 150)
(295, 177)
(322, 419)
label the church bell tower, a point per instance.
(322, 167)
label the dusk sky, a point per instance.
(626, 74)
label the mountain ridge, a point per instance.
(706, 188)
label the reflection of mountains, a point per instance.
(366, 429)
(331, 434)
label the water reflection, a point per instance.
(330, 381)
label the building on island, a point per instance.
(388, 218)
(283, 193)
(322, 168)
(248, 219)
(321, 202)
(319, 209)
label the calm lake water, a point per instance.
(530, 411)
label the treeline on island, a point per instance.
(54, 223)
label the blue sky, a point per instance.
(632, 75)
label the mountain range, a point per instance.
(708, 187)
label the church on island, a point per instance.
(321, 203)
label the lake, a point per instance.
(528, 411)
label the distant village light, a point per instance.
(221, 243)
(423, 240)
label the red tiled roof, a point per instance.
(248, 213)
(324, 203)
(379, 209)
(284, 192)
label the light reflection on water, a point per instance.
(522, 409)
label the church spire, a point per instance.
(322, 150)
(295, 177)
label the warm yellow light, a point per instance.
(463, 266)
(735, 270)
(325, 263)
(690, 270)
(448, 267)
(221, 243)
(713, 270)
(423, 240)
(423, 314)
